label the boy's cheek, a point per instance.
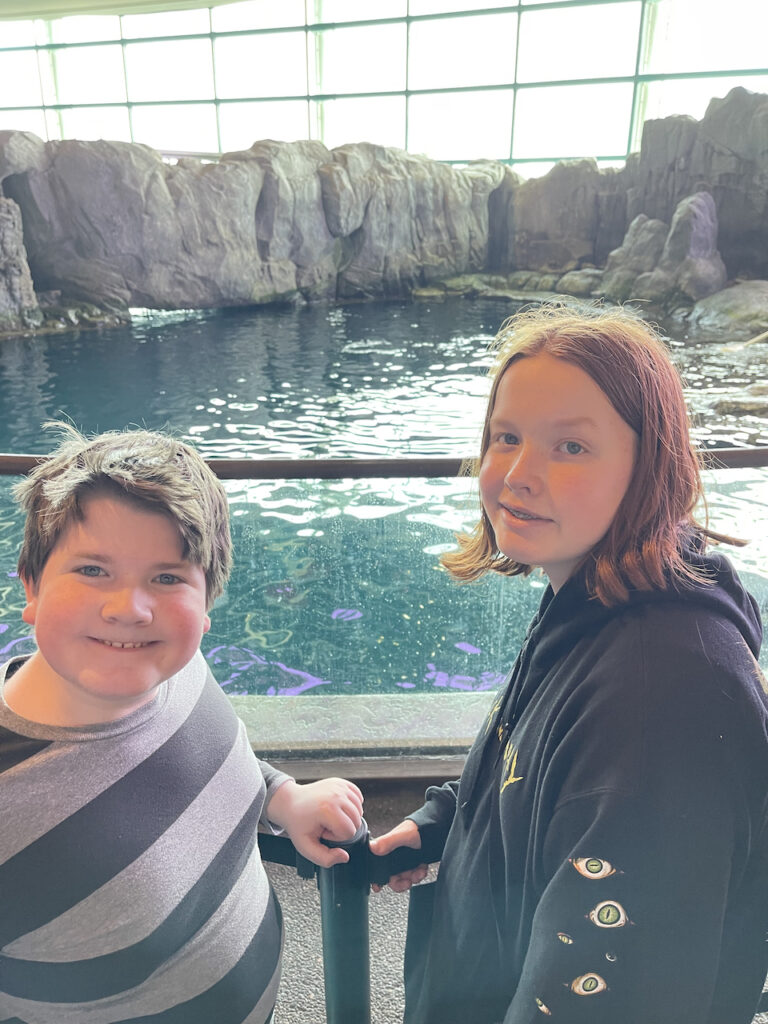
(30, 609)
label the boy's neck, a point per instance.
(38, 694)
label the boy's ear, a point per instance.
(206, 623)
(30, 608)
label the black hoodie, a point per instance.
(606, 858)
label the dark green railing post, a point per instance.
(344, 890)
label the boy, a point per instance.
(131, 885)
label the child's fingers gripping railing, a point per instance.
(344, 891)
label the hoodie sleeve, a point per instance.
(646, 841)
(435, 817)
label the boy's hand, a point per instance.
(328, 809)
(404, 834)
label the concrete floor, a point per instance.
(302, 994)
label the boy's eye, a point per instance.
(572, 447)
(167, 578)
(90, 570)
(508, 437)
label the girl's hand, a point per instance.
(404, 834)
(328, 809)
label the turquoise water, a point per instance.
(337, 586)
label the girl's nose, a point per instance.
(523, 470)
(128, 604)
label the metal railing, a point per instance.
(344, 891)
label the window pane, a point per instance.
(18, 33)
(84, 73)
(377, 119)
(169, 71)
(693, 96)
(479, 125)
(357, 10)
(359, 59)
(189, 129)
(547, 52)
(257, 14)
(572, 121)
(440, 6)
(96, 123)
(166, 23)
(19, 79)
(24, 121)
(242, 124)
(462, 51)
(268, 65)
(699, 35)
(87, 28)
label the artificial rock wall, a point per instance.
(110, 224)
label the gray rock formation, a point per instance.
(741, 310)
(668, 266)
(638, 254)
(18, 303)
(111, 224)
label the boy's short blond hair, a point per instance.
(143, 467)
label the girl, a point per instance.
(605, 852)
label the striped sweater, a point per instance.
(131, 887)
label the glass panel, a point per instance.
(24, 121)
(190, 128)
(357, 10)
(87, 28)
(18, 33)
(242, 124)
(96, 123)
(85, 72)
(572, 121)
(335, 588)
(368, 59)
(19, 79)
(257, 14)
(480, 125)
(691, 35)
(441, 6)
(462, 51)
(46, 60)
(691, 96)
(607, 47)
(268, 65)
(377, 119)
(53, 124)
(166, 23)
(169, 71)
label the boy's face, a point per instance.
(117, 610)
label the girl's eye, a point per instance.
(572, 447)
(90, 570)
(167, 578)
(508, 438)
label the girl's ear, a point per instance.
(30, 609)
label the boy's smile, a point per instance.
(558, 464)
(117, 611)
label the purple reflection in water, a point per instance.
(346, 614)
(463, 646)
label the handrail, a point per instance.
(338, 469)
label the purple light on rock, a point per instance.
(346, 614)
(463, 646)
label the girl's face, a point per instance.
(558, 464)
